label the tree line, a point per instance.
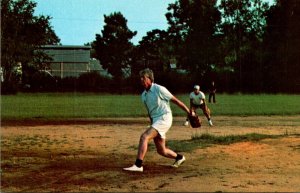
(241, 45)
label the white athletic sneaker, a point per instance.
(177, 163)
(210, 123)
(134, 168)
(186, 123)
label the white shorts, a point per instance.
(162, 124)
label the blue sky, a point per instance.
(76, 22)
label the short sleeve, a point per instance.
(165, 94)
(203, 95)
(191, 95)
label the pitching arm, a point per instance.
(180, 104)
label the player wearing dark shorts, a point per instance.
(197, 100)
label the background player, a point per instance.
(197, 100)
(212, 92)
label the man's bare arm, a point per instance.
(180, 104)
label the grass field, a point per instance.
(79, 105)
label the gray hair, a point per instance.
(148, 73)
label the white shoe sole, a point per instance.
(134, 169)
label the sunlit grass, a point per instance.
(249, 105)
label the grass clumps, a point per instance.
(229, 139)
(206, 140)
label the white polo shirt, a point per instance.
(197, 99)
(156, 100)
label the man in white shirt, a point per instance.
(156, 100)
(197, 100)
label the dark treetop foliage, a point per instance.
(21, 34)
(282, 47)
(192, 27)
(113, 47)
(243, 45)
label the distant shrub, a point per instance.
(174, 81)
(9, 88)
(93, 82)
(42, 82)
(67, 84)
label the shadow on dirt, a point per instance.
(40, 121)
(64, 172)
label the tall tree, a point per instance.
(178, 20)
(193, 25)
(22, 34)
(155, 46)
(201, 39)
(282, 46)
(242, 28)
(113, 47)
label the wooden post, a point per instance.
(61, 70)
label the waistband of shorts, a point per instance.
(166, 114)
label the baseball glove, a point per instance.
(194, 121)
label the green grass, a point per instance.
(79, 105)
(70, 105)
(250, 105)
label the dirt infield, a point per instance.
(88, 156)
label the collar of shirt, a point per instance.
(151, 89)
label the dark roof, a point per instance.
(70, 54)
(62, 47)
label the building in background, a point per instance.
(71, 61)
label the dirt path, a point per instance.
(89, 156)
